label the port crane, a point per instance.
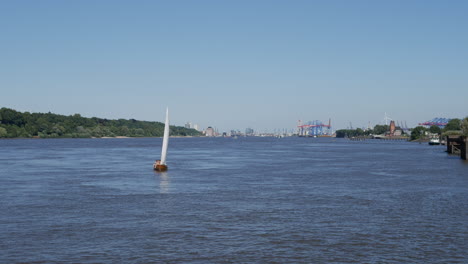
(314, 128)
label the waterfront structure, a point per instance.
(314, 128)
(457, 145)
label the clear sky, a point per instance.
(237, 64)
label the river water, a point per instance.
(226, 200)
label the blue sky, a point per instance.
(237, 64)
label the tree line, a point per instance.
(359, 132)
(14, 124)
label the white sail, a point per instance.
(165, 139)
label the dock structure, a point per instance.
(379, 137)
(457, 145)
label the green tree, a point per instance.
(418, 132)
(3, 132)
(359, 132)
(31, 129)
(349, 132)
(13, 131)
(11, 117)
(139, 132)
(380, 129)
(453, 124)
(464, 127)
(124, 131)
(58, 130)
(435, 129)
(43, 124)
(341, 133)
(23, 133)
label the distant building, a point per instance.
(392, 128)
(210, 132)
(191, 126)
(249, 131)
(235, 133)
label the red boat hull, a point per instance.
(160, 168)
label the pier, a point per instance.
(457, 145)
(384, 138)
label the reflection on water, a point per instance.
(163, 182)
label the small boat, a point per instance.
(434, 141)
(162, 166)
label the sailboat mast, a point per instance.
(165, 139)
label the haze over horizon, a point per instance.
(233, 65)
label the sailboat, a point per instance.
(162, 166)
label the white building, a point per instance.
(210, 132)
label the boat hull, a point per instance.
(160, 168)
